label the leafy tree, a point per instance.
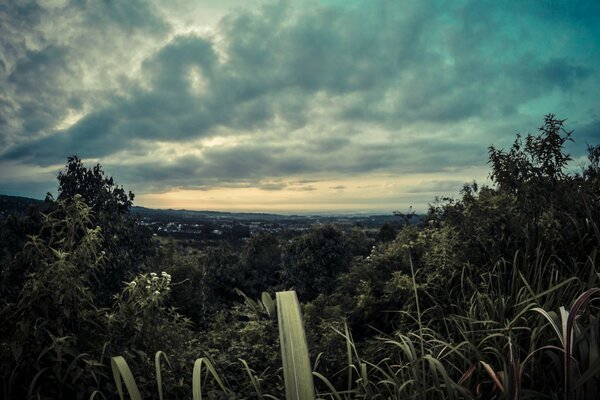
(260, 262)
(97, 190)
(358, 242)
(387, 233)
(189, 293)
(54, 323)
(126, 242)
(540, 161)
(312, 262)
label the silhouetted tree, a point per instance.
(387, 233)
(126, 243)
(312, 262)
(260, 262)
(97, 190)
(537, 162)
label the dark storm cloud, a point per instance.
(130, 15)
(267, 166)
(305, 82)
(584, 136)
(47, 52)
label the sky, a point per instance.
(288, 106)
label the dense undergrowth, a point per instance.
(491, 295)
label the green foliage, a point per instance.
(260, 262)
(54, 317)
(245, 332)
(140, 324)
(127, 244)
(358, 243)
(312, 262)
(387, 233)
(15, 231)
(540, 161)
(96, 190)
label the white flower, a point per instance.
(163, 273)
(152, 273)
(154, 278)
(156, 293)
(132, 284)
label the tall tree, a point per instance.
(126, 243)
(312, 262)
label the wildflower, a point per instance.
(152, 274)
(154, 278)
(156, 293)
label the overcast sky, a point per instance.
(288, 106)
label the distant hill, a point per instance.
(192, 215)
(17, 204)
(11, 204)
(195, 215)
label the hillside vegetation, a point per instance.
(493, 296)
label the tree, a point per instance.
(312, 262)
(127, 244)
(387, 233)
(539, 161)
(593, 170)
(358, 243)
(98, 191)
(260, 262)
(53, 325)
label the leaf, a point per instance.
(122, 373)
(197, 377)
(269, 304)
(297, 372)
(495, 377)
(158, 373)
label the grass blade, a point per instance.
(158, 373)
(297, 371)
(197, 378)
(122, 373)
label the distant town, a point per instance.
(210, 228)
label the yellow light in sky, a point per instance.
(369, 193)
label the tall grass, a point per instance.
(502, 349)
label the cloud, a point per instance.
(314, 88)
(58, 57)
(436, 187)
